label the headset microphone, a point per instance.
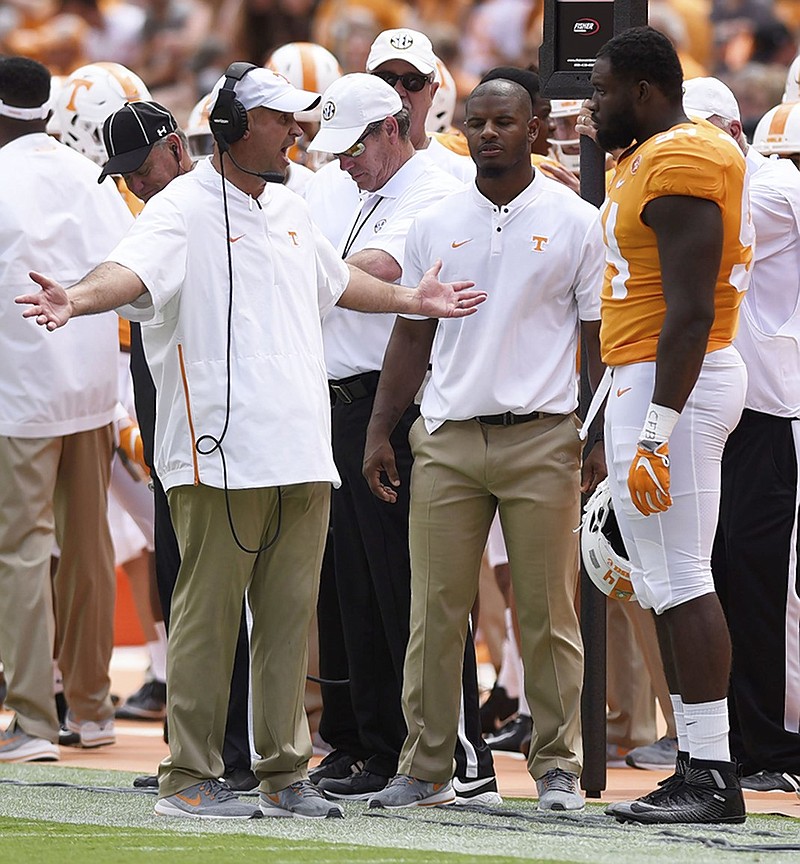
(266, 176)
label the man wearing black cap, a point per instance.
(231, 280)
(145, 147)
(57, 403)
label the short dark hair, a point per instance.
(24, 83)
(528, 79)
(645, 54)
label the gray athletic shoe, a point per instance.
(206, 800)
(559, 790)
(18, 746)
(658, 756)
(300, 800)
(406, 791)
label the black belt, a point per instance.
(511, 419)
(355, 387)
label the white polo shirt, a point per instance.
(56, 219)
(540, 260)
(769, 317)
(286, 276)
(332, 195)
(355, 342)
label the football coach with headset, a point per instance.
(230, 279)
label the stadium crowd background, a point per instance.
(180, 47)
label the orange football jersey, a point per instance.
(692, 159)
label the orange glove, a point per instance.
(130, 442)
(648, 477)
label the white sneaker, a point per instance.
(92, 734)
(18, 746)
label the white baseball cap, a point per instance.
(263, 88)
(349, 105)
(705, 97)
(402, 44)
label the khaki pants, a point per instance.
(56, 487)
(281, 585)
(462, 473)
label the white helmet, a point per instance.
(564, 109)
(89, 95)
(443, 107)
(307, 66)
(602, 547)
(56, 86)
(778, 131)
(198, 130)
(791, 92)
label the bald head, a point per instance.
(501, 88)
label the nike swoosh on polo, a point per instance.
(456, 245)
(192, 802)
(622, 391)
(470, 785)
(619, 183)
(234, 239)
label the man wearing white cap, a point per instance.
(366, 126)
(230, 279)
(755, 561)
(405, 59)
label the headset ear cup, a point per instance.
(228, 119)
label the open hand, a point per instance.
(446, 299)
(50, 307)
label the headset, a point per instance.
(228, 118)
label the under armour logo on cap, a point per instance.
(130, 133)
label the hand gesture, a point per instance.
(648, 477)
(51, 306)
(446, 299)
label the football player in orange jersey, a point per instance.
(678, 251)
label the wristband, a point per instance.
(659, 421)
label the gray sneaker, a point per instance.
(91, 733)
(659, 756)
(406, 791)
(18, 746)
(559, 790)
(300, 800)
(206, 800)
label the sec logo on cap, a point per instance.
(401, 40)
(328, 110)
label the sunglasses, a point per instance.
(359, 147)
(411, 81)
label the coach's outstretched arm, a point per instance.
(431, 298)
(106, 287)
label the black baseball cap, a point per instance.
(130, 133)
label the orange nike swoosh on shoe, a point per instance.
(456, 245)
(622, 391)
(10, 740)
(192, 802)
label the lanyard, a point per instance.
(356, 229)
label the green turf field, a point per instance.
(72, 816)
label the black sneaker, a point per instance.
(240, 780)
(514, 737)
(149, 702)
(709, 795)
(146, 781)
(356, 787)
(337, 765)
(3, 688)
(67, 738)
(772, 781)
(497, 710)
(481, 792)
(665, 787)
